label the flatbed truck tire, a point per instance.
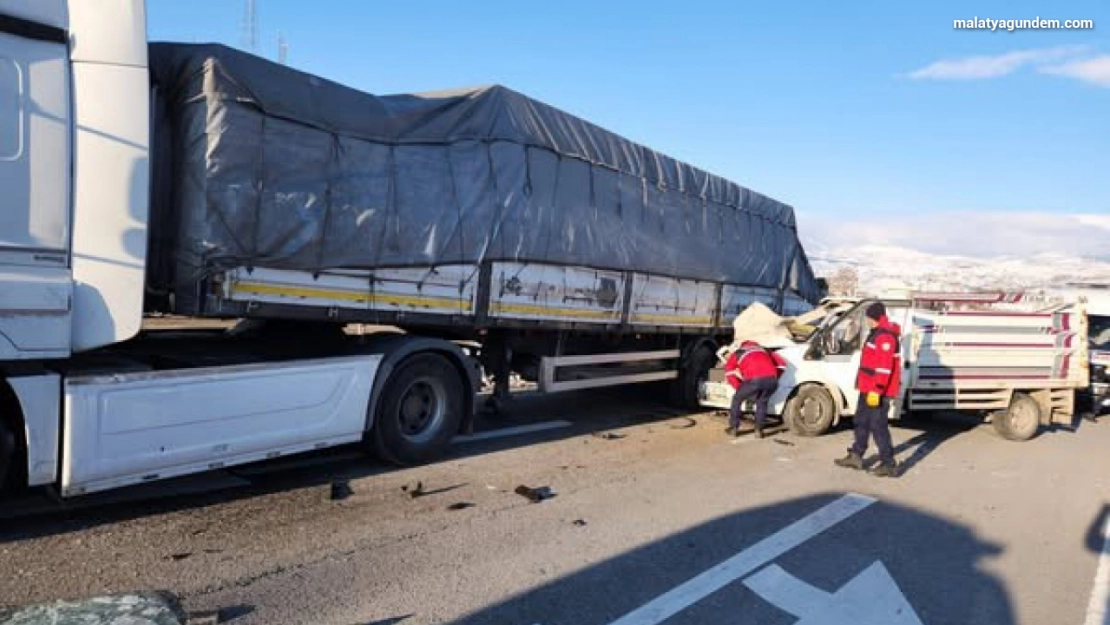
(1021, 421)
(811, 411)
(422, 404)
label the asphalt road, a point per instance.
(658, 523)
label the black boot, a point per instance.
(731, 431)
(886, 469)
(851, 461)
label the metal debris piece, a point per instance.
(782, 442)
(209, 617)
(608, 436)
(177, 557)
(684, 423)
(534, 495)
(462, 505)
(340, 490)
(418, 491)
(579, 522)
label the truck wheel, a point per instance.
(1020, 421)
(420, 409)
(811, 411)
(690, 378)
(7, 453)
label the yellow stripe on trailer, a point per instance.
(676, 319)
(414, 301)
(532, 309)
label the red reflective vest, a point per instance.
(752, 363)
(880, 365)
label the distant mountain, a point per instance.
(882, 267)
(962, 250)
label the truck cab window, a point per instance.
(846, 334)
(11, 110)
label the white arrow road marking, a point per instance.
(870, 598)
(1098, 610)
(697, 588)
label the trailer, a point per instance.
(1015, 362)
(488, 232)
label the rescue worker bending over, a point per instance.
(880, 372)
(754, 373)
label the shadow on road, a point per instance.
(40, 514)
(937, 565)
(933, 431)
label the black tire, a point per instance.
(420, 409)
(7, 454)
(811, 411)
(1021, 421)
(684, 390)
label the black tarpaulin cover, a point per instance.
(260, 165)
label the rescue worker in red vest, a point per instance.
(754, 372)
(878, 380)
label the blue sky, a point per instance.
(838, 108)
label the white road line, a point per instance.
(674, 601)
(788, 592)
(870, 598)
(1098, 610)
(513, 431)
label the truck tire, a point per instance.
(7, 453)
(421, 407)
(694, 371)
(811, 411)
(1019, 422)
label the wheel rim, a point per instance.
(422, 409)
(1022, 418)
(812, 412)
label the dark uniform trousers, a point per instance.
(870, 422)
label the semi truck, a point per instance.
(1016, 361)
(483, 230)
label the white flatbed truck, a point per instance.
(1020, 366)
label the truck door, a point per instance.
(840, 345)
(34, 179)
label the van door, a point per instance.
(34, 178)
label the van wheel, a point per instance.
(1019, 422)
(811, 411)
(420, 410)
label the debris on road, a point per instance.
(340, 490)
(534, 495)
(177, 557)
(608, 436)
(579, 523)
(209, 617)
(784, 442)
(156, 608)
(462, 505)
(683, 424)
(418, 491)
